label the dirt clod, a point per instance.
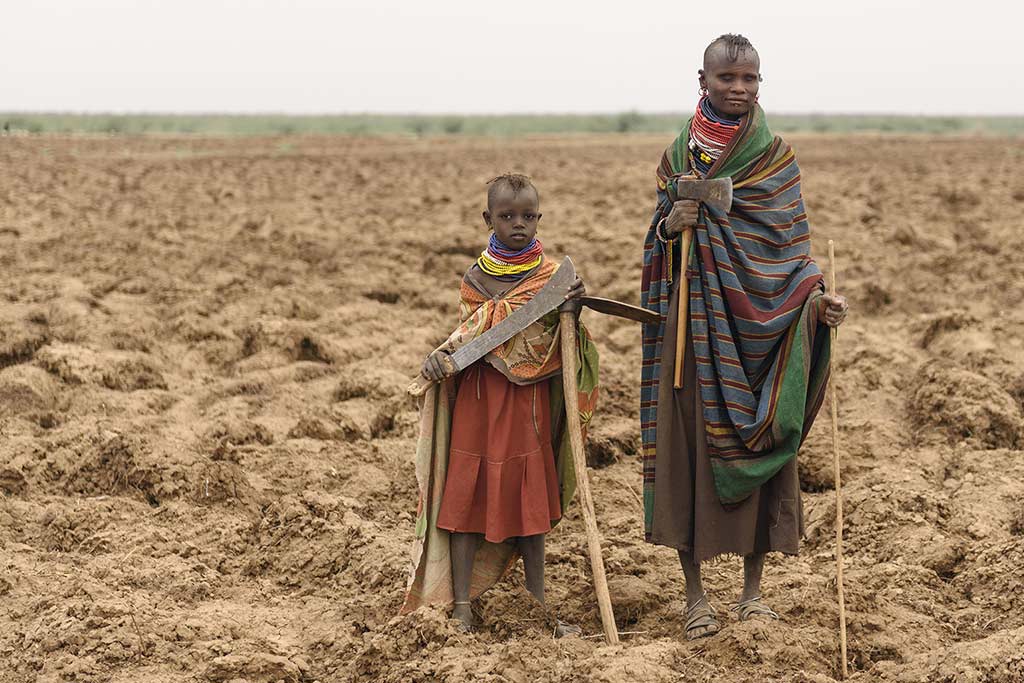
(966, 405)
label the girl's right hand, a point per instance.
(434, 367)
(682, 216)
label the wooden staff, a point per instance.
(572, 415)
(684, 299)
(835, 465)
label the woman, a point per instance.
(720, 473)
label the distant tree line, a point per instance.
(483, 125)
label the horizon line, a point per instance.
(29, 112)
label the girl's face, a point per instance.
(732, 86)
(514, 216)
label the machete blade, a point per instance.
(547, 299)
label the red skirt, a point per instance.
(502, 480)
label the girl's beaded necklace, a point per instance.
(507, 265)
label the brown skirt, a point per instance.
(687, 513)
(501, 480)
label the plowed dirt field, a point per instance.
(206, 450)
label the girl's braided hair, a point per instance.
(516, 182)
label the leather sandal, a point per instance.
(754, 607)
(699, 616)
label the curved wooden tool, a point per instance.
(619, 309)
(567, 331)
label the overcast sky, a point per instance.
(475, 56)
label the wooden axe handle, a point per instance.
(684, 299)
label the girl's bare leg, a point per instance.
(463, 550)
(532, 550)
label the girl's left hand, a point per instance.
(577, 289)
(836, 308)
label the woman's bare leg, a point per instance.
(700, 617)
(753, 566)
(691, 571)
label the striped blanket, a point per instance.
(762, 357)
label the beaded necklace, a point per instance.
(710, 134)
(502, 263)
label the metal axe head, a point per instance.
(715, 193)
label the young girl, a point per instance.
(493, 460)
(720, 473)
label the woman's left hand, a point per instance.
(576, 290)
(836, 308)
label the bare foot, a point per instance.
(464, 614)
(563, 629)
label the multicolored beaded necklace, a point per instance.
(502, 263)
(710, 134)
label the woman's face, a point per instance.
(732, 86)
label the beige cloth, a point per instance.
(687, 513)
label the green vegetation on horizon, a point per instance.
(484, 125)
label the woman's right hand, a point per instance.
(434, 367)
(682, 216)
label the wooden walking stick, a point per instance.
(835, 464)
(567, 315)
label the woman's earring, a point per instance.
(703, 91)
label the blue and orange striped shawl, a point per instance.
(762, 361)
